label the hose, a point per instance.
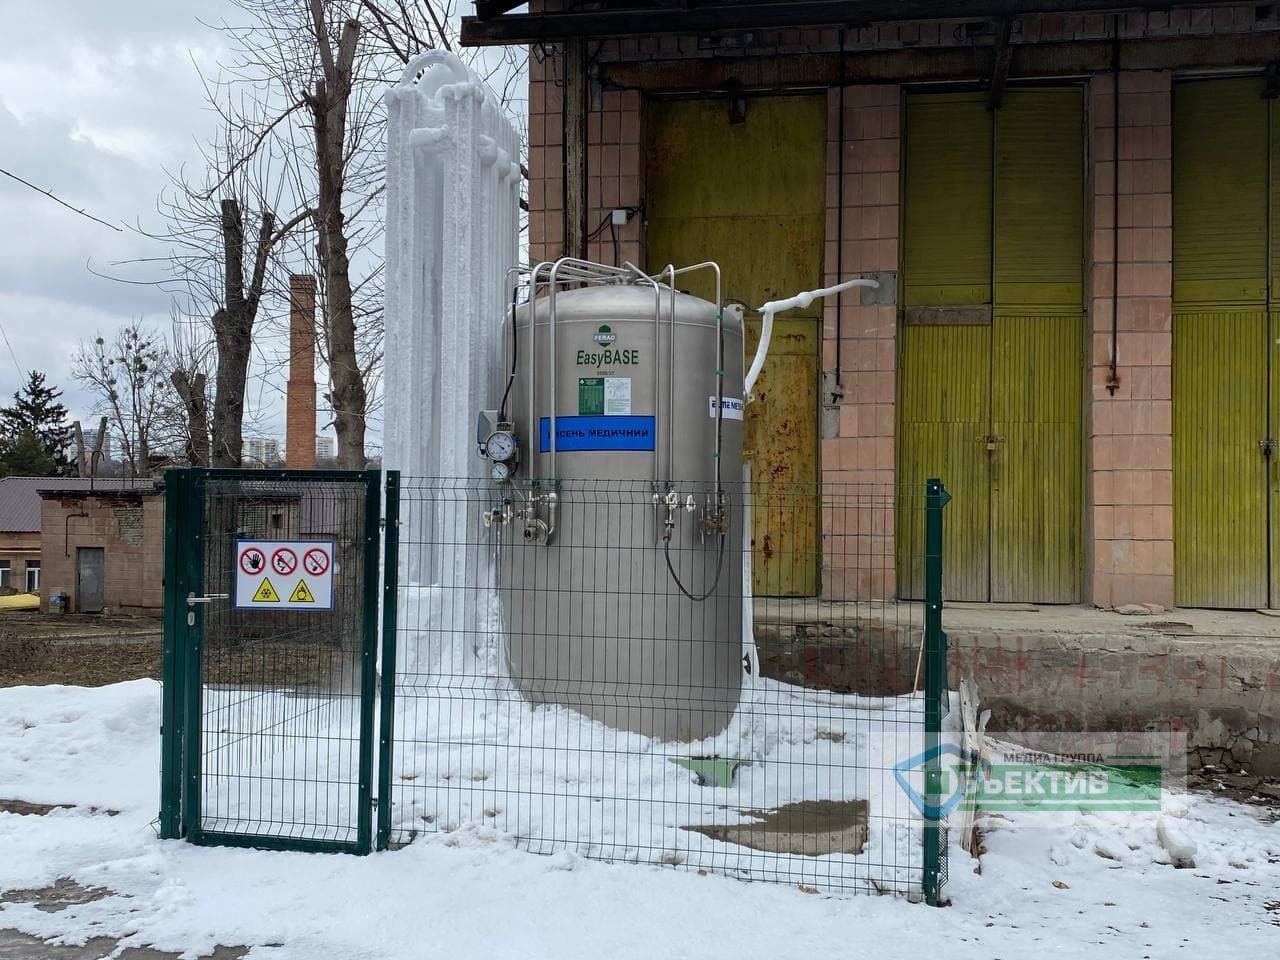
(666, 552)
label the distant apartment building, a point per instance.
(91, 442)
(261, 452)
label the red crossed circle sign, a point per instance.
(252, 561)
(315, 561)
(284, 561)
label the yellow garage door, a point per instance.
(1224, 402)
(751, 197)
(992, 342)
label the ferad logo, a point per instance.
(604, 335)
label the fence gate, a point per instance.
(271, 589)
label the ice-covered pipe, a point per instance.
(781, 306)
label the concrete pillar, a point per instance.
(859, 344)
(1130, 418)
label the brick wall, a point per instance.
(860, 342)
(131, 532)
(1129, 517)
(1130, 430)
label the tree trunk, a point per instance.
(329, 111)
(190, 386)
(233, 331)
(234, 337)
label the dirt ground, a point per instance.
(80, 649)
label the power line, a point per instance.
(17, 366)
(55, 199)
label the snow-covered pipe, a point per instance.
(781, 306)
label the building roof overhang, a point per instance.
(494, 24)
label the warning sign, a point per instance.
(266, 593)
(270, 576)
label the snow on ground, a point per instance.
(1090, 886)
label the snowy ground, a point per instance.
(1092, 886)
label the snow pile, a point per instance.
(1077, 885)
(471, 752)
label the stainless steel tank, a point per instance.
(594, 616)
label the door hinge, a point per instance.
(1268, 447)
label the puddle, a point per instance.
(810, 828)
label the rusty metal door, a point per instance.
(750, 195)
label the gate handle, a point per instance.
(192, 599)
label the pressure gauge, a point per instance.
(500, 447)
(500, 472)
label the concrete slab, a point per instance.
(1214, 674)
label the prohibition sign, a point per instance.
(315, 561)
(284, 561)
(252, 561)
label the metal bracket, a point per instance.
(1267, 446)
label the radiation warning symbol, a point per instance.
(301, 593)
(266, 593)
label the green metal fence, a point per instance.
(269, 692)
(279, 732)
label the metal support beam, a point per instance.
(575, 148)
(1000, 64)
(718, 16)
(942, 64)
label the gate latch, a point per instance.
(192, 599)
(991, 441)
(1268, 447)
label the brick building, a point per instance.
(1072, 206)
(102, 545)
(20, 534)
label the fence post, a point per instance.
(935, 688)
(387, 692)
(172, 693)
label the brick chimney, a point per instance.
(300, 396)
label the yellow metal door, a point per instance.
(991, 361)
(1037, 471)
(751, 197)
(1220, 345)
(944, 396)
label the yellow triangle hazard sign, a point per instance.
(301, 594)
(266, 593)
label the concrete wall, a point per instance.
(130, 529)
(1037, 673)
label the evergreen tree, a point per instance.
(27, 457)
(37, 411)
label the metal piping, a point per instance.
(641, 276)
(712, 265)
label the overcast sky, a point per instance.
(96, 100)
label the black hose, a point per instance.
(502, 407)
(666, 551)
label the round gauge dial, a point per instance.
(500, 471)
(500, 446)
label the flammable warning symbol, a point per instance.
(301, 593)
(266, 593)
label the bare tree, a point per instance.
(126, 378)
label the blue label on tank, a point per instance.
(598, 433)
